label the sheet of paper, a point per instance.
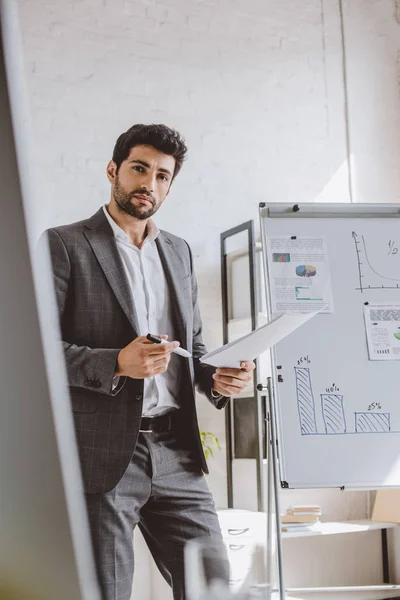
(253, 344)
(299, 274)
(382, 323)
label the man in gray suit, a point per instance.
(118, 278)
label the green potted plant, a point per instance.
(209, 442)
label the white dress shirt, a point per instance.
(151, 295)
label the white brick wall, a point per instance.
(244, 81)
(256, 88)
(373, 51)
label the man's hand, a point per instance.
(230, 382)
(142, 359)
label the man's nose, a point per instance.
(148, 182)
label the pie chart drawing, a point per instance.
(306, 271)
(397, 335)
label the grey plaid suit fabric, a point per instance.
(171, 504)
(130, 479)
(97, 317)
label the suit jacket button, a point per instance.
(139, 397)
(87, 382)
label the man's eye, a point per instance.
(163, 177)
(138, 168)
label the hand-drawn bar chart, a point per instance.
(333, 411)
(305, 401)
(372, 422)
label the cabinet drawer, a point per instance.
(242, 525)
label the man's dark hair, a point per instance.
(161, 137)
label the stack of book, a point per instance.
(301, 517)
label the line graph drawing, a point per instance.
(367, 272)
(305, 401)
(372, 422)
(333, 413)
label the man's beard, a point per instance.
(123, 201)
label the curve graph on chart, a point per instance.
(370, 277)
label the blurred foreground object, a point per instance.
(44, 543)
(204, 561)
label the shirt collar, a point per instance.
(152, 229)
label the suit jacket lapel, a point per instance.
(174, 268)
(101, 238)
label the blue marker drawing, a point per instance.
(305, 401)
(370, 422)
(333, 413)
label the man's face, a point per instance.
(142, 182)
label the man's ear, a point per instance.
(111, 171)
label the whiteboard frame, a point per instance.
(336, 210)
(297, 211)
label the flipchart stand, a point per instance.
(273, 514)
(273, 482)
(273, 472)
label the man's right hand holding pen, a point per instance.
(142, 358)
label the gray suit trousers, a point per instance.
(166, 494)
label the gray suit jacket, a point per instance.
(97, 316)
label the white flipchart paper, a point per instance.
(253, 344)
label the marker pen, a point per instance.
(157, 340)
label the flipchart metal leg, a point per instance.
(274, 456)
(273, 498)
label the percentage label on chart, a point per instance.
(333, 388)
(304, 360)
(375, 406)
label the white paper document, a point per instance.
(382, 323)
(299, 274)
(253, 344)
